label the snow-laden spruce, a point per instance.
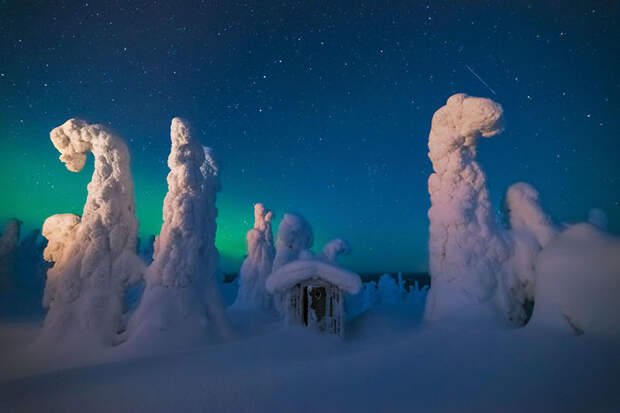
(257, 265)
(181, 303)
(476, 273)
(94, 255)
(294, 237)
(9, 241)
(530, 231)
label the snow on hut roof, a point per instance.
(299, 270)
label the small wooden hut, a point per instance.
(312, 293)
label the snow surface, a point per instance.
(258, 264)
(390, 361)
(293, 272)
(94, 255)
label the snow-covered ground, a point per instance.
(389, 361)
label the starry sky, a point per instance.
(321, 108)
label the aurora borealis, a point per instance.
(322, 110)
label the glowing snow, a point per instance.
(94, 256)
(479, 270)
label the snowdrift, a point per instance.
(578, 283)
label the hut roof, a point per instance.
(299, 270)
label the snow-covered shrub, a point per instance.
(334, 248)
(181, 299)
(257, 265)
(578, 282)
(8, 245)
(388, 292)
(94, 256)
(598, 218)
(30, 267)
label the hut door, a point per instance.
(304, 307)
(317, 306)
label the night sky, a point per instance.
(321, 108)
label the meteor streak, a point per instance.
(480, 79)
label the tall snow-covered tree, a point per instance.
(466, 250)
(258, 264)
(480, 271)
(181, 298)
(94, 255)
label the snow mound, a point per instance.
(578, 282)
(299, 270)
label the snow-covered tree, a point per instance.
(257, 265)
(181, 298)
(210, 170)
(466, 249)
(530, 231)
(335, 248)
(8, 245)
(94, 256)
(479, 269)
(295, 239)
